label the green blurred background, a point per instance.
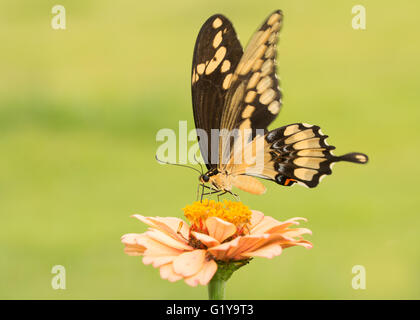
(80, 109)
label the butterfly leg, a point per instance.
(202, 192)
(235, 195)
(209, 193)
(219, 195)
(198, 190)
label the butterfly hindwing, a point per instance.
(296, 153)
(299, 153)
(217, 53)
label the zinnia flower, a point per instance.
(220, 234)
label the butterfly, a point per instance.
(238, 90)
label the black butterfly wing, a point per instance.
(300, 153)
(217, 53)
(296, 153)
(254, 97)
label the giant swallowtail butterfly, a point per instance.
(238, 90)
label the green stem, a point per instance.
(216, 288)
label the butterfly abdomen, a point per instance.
(248, 184)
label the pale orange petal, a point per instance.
(220, 252)
(157, 253)
(189, 263)
(235, 248)
(220, 229)
(302, 243)
(203, 276)
(158, 261)
(247, 243)
(306, 244)
(296, 219)
(132, 245)
(284, 225)
(157, 248)
(167, 272)
(256, 218)
(168, 225)
(205, 239)
(167, 240)
(269, 251)
(265, 224)
(133, 251)
(153, 251)
(268, 239)
(296, 232)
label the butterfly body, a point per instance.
(236, 92)
(223, 181)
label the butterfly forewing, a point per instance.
(217, 53)
(254, 97)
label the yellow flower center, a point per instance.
(234, 212)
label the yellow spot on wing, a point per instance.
(305, 174)
(267, 96)
(267, 67)
(264, 84)
(291, 129)
(218, 57)
(250, 96)
(276, 27)
(225, 66)
(311, 153)
(264, 37)
(226, 81)
(200, 68)
(217, 23)
(248, 111)
(272, 38)
(257, 65)
(270, 52)
(274, 107)
(313, 163)
(275, 17)
(217, 39)
(305, 134)
(194, 77)
(307, 144)
(253, 80)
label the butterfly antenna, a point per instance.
(177, 164)
(201, 167)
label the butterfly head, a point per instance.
(204, 178)
(218, 180)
